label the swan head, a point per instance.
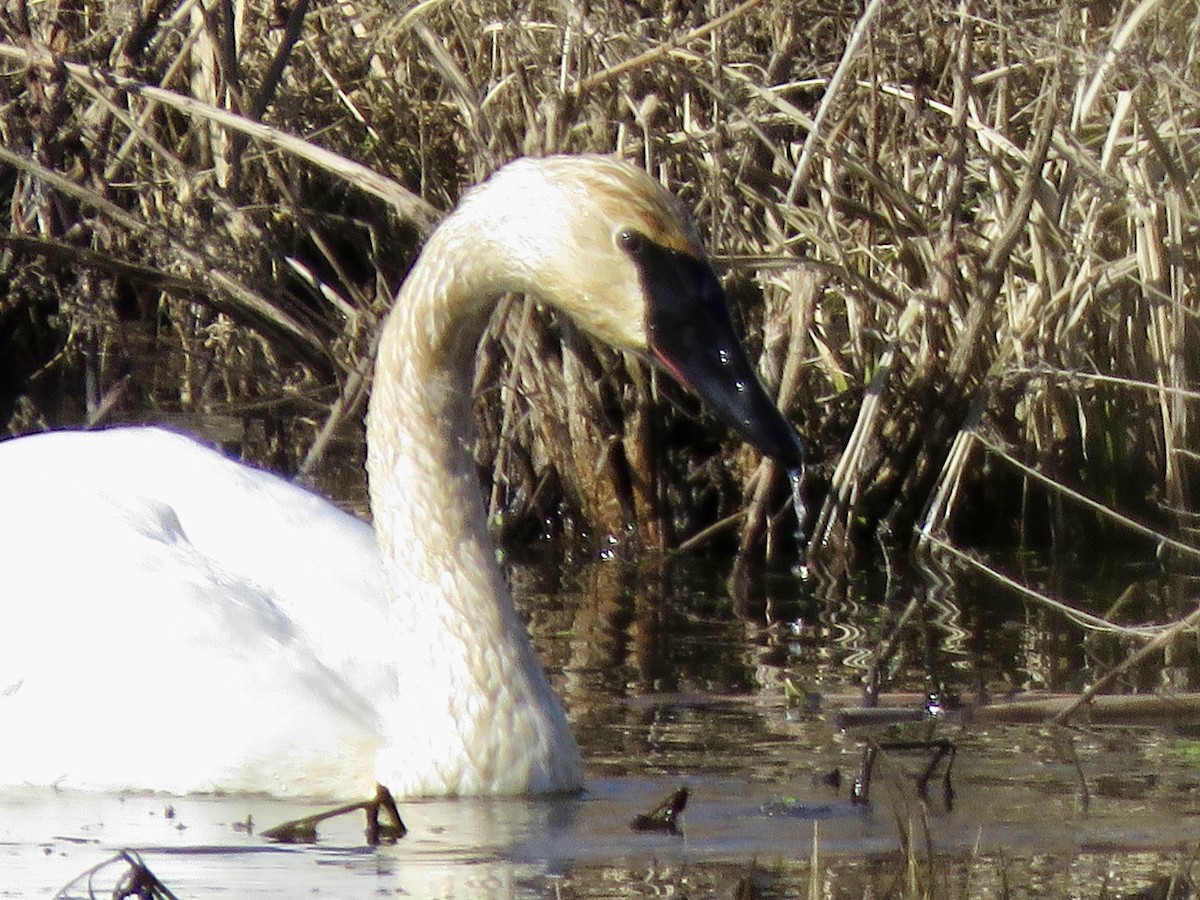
(607, 244)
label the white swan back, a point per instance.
(157, 609)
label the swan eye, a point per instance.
(631, 241)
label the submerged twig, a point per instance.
(136, 881)
(665, 816)
(384, 824)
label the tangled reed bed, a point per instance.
(961, 238)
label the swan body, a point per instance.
(171, 620)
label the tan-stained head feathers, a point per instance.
(572, 212)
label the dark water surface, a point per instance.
(672, 682)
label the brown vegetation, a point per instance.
(962, 238)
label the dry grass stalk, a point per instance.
(982, 198)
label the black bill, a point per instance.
(692, 336)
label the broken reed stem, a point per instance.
(350, 402)
(1078, 616)
(1028, 708)
(1120, 40)
(1188, 624)
(1073, 375)
(419, 212)
(262, 309)
(641, 60)
(1095, 506)
(857, 36)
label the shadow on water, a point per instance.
(672, 682)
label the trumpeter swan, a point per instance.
(173, 621)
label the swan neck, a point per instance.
(486, 710)
(424, 488)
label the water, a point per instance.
(795, 479)
(670, 682)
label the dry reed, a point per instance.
(961, 236)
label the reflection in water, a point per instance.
(672, 682)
